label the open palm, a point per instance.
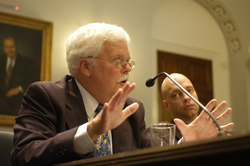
(203, 126)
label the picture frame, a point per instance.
(43, 31)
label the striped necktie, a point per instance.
(104, 148)
(8, 75)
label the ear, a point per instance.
(84, 67)
(165, 103)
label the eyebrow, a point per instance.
(128, 59)
(190, 86)
(175, 90)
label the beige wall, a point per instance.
(182, 26)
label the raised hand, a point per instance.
(13, 92)
(203, 126)
(112, 114)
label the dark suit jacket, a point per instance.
(49, 117)
(23, 74)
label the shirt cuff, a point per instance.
(82, 142)
(180, 141)
(21, 89)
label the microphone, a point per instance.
(151, 81)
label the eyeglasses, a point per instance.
(120, 64)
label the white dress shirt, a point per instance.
(9, 61)
(82, 142)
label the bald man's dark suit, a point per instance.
(49, 118)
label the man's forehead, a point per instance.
(184, 82)
(118, 50)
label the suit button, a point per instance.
(56, 155)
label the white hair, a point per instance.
(88, 41)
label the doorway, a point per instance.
(199, 71)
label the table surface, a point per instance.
(230, 150)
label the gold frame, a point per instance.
(46, 28)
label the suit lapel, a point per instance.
(17, 67)
(122, 136)
(76, 113)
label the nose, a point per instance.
(127, 68)
(186, 97)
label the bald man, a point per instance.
(17, 72)
(177, 102)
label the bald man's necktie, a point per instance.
(104, 148)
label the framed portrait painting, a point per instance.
(25, 57)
